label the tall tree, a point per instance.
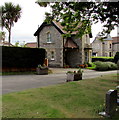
(71, 13)
(10, 14)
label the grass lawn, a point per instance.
(82, 99)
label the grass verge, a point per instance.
(22, 73)
(82, 99)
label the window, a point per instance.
(52, 55)
(110, 45)
(86, 56)
(49, 37)
(110, 54)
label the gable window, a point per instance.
(52, 55)
(49, 37)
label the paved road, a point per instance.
(13, 83)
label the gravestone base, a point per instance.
(104, 114)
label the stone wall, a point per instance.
(55, 46)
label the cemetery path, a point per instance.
(14, 83)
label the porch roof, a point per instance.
(70, 44)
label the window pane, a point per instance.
(48, 37)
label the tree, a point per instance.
(71, 13)
(10, 14)
(17, 44)
(2, 36)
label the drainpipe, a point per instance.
(38, 41)
(63, 52)
(103, 49)
(38, 38)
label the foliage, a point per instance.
(42, 66)
(116, 57)
(78, 16)
(83, 99)
(17, 57)
(104, 66)
(17, 44)
(91, 64)
(79, 71)
(10, 14)
(2, 35)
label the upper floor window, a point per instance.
(49, 37)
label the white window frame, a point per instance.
(52, 55)
(49, 37)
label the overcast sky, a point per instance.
(32, 16)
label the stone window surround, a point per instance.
(52, 55)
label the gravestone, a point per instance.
(110, 103)
(117, 95)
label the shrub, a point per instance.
(103, 66)
(112, 66)
(91, 64)
(116, 57)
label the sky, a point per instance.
(33, 16)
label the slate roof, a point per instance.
(108, 37)
(70, 43)
(31, 45)
(57, 25)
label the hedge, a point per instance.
(103, 59)
(104, 66)
(17, 57)
(116, 57)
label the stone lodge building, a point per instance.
(62, 51)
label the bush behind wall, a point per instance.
(103, 59)
(17, 57)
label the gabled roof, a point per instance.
(108, 37)
(70, 43)
(57, 25)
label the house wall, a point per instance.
(102, 48)
(115, 48)
(107, 48)
(97, 47)
(87, 52)
(79, 53)
(75, 56)
(79, 56)
(55, 46)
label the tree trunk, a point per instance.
(9, 37)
